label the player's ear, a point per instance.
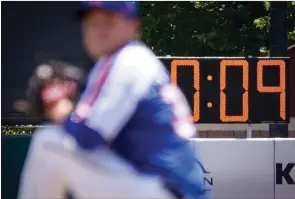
(137, 24)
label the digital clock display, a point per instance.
(233, 90)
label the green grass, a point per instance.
(18, 130)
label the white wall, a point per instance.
(246, 168)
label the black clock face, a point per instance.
(233, 90)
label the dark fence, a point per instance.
(14, 150)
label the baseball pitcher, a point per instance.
(130, 107)
(52, 171)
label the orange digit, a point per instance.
(273, 89)
(245, 112)
(195, 64)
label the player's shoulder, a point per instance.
(137, 48)
(138, 59)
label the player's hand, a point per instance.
(56, 100)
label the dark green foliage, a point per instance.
(210, 28)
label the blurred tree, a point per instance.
(209, 28)
(263, 23)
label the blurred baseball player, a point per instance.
(50, 171)
(129, 106)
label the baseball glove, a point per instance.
(53, 80)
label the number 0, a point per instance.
(195, 64)
(245, 106)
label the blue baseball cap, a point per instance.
(129, 9)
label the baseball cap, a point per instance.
(129, 9)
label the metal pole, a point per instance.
(278, 47)
(249, 131)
